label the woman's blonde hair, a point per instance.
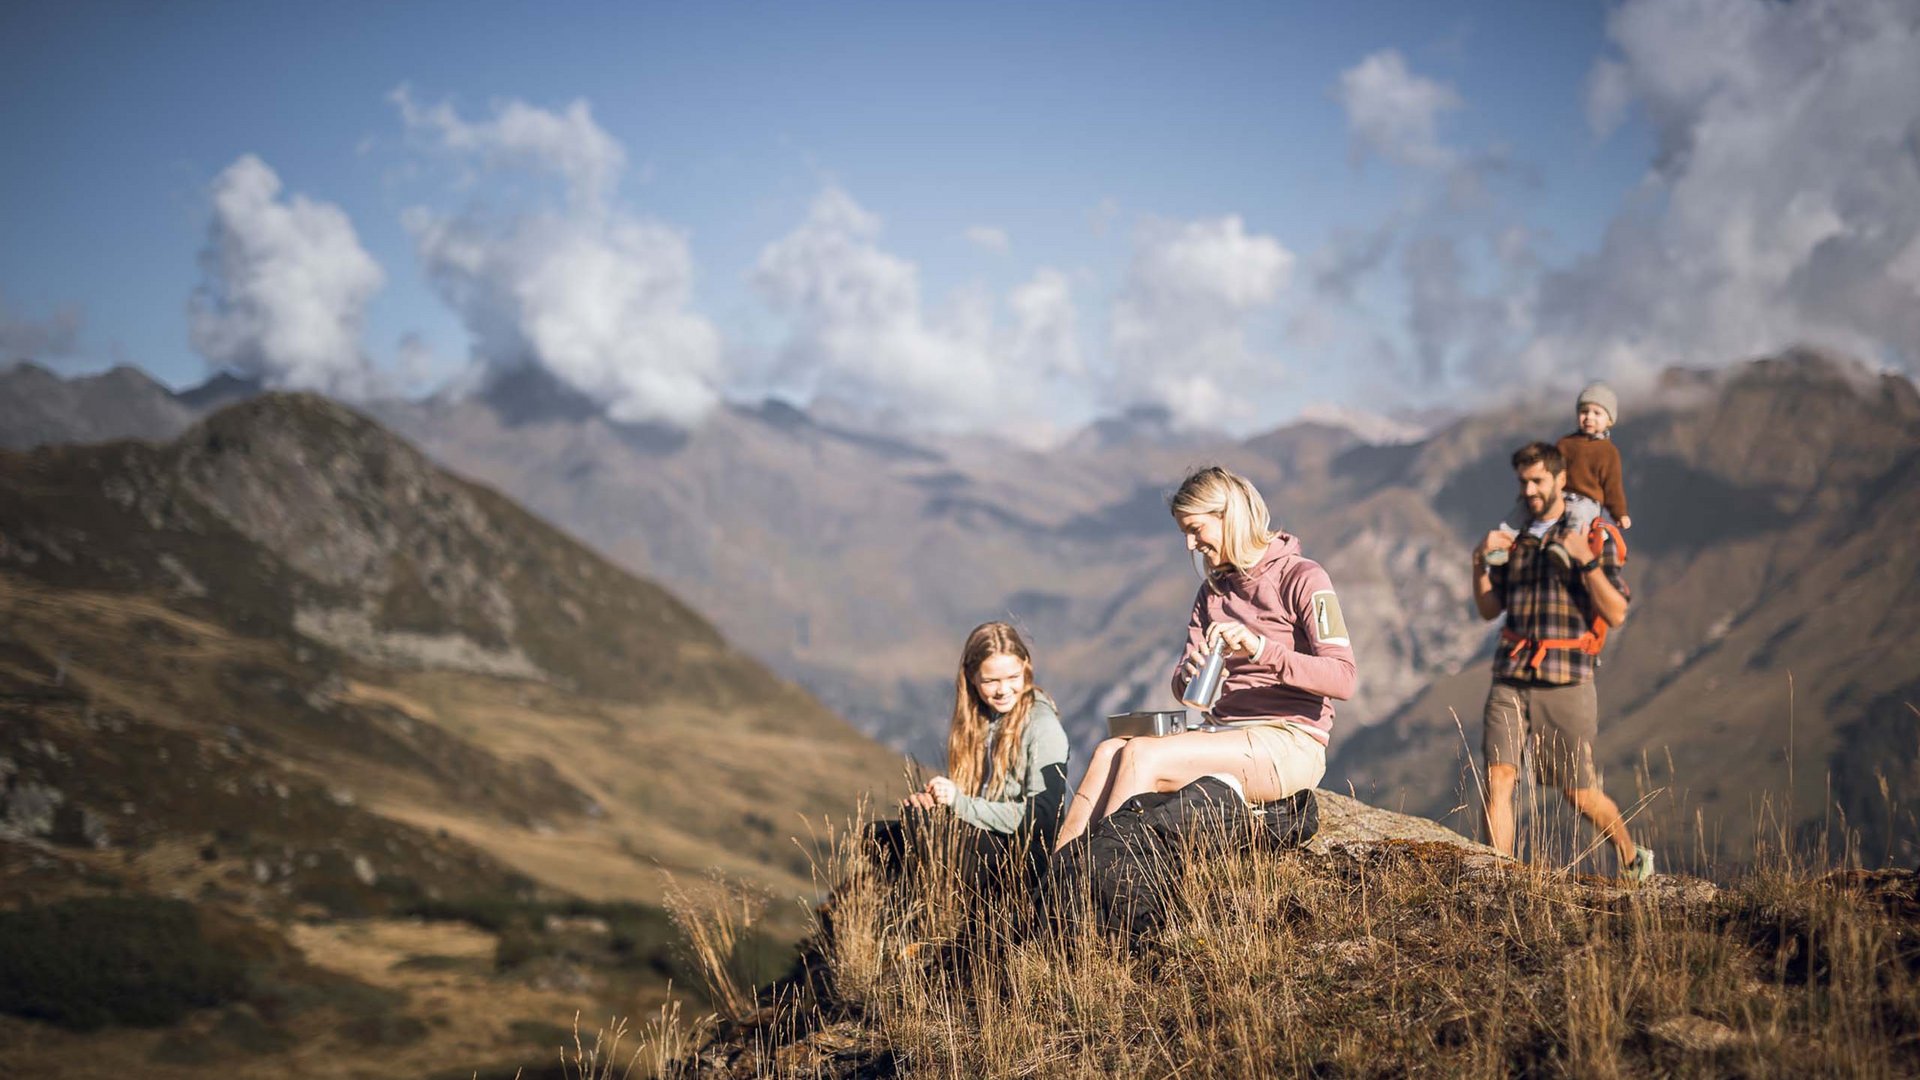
(966, 740)
(1245, 527)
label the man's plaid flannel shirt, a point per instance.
(1545, 600)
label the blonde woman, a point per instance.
(1288, 660)
(1006, 753)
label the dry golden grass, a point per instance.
(1363, 960)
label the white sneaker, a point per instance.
(1641, 868)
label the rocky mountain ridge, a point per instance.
(854, 561)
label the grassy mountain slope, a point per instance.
(287, 671)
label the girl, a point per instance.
(1288, 657)
(1006, 750)
(1006, 773)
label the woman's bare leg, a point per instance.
(1174, 761)
(1092, 791)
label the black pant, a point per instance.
(981, 862)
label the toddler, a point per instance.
(1595, 481)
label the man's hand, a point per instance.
(1240, 640)
(942, 790)
(1577, 547)
(1488, 602)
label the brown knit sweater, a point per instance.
(1593, 470)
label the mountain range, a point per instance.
(853, 560)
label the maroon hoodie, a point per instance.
(1307, 659)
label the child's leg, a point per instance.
(1580, 517)
(1576, 520)
(1516, 517)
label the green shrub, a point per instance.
(89, 962)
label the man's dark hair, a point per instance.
(1539, 453)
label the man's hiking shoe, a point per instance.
(1558, 553)
(1641, 868)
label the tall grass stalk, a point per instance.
(1370, 959)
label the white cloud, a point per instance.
(23, 338)
(1178, 335)
(859, 329)
(1784, 204)
(567, 143)
(1100, 219)
(1608, 96)
(1046, 325)
(1394, 112)
(286, 287)
(415, 363)
(601, 305)
(600, 299)
(989, 238)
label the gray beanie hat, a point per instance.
(1602, 395)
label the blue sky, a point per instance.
(1115, 146)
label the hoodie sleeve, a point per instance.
(1326, 667)
(1043, 781)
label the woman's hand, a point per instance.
(1190, 663)
(919, 800)
(942, 790)
(1240, 640)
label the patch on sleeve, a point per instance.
(1329, 625)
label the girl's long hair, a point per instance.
(967, 738)
(1246, 527)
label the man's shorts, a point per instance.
(1561, 722)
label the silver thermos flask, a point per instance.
(1204, 690)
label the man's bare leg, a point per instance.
(1596, 807)
(1501, 780)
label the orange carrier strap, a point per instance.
(1595, 638)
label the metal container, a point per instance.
(1135, 724)
(1204, 690)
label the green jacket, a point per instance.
(1034, 790)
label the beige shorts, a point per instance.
(1299, 760)
(1557, 723)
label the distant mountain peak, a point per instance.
(224, 387)
(1378, 429)
(1145, 423)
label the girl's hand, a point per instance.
(919, 800)
(942, 790)
(1240, 640)
(1626, 521)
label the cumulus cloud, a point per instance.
(1781, 205)
(24, 338)
(1784, 203)
(285, 287)
(1178, 331)
(1395, 113)
(989, 238)
(1458, 271)
(567, 143)
(599, 298)
(860, 330)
